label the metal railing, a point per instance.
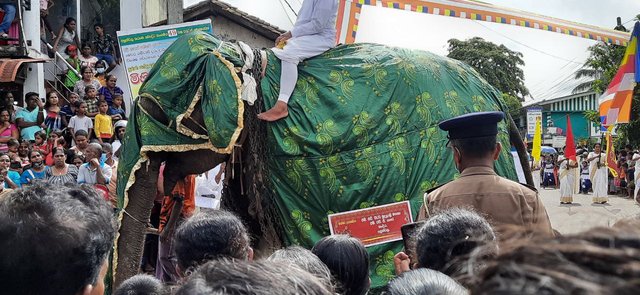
(58, 71)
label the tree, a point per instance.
(513, 104)
(600, 67)
(496, 63)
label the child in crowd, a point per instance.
(69, 110)
(71, 77)
(77, 160)
(116, 111)
(80, 122)
(81, 138)
(55, 140)
(101, 75)
(41, 143)
(12, 145)
(23, 152)
(585, 181)
(103, 126)
(91, 100)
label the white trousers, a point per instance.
(297, 50)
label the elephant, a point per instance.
(362, 129)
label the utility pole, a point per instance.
(175, 11)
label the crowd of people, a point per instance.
(78, 142)
(589, 173)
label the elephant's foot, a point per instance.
(277, 112)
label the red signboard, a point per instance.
(373, 226)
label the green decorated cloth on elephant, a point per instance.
(361, 131)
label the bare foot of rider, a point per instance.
(277, 112)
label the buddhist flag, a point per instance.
(570, 146)
(611, 154)
(537, 141)
(615, 103)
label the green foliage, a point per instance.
(514, 105)
(600, 67)
(496, 63)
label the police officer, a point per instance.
(473, 139)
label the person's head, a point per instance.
(70, 24)
(87, 72)
(90, 91)
(78, 160)
(65, 236)
(32, 100)
(251, 278)
(117, 100)
(82, 139)
(472, 137)
(59, 157)
(86, 51)
(73, 97)
(119, 129)
(103, 106)
(348, 262)
(107, 149)
(55, 135)
(16, 165)
(141, 284)
(40, 137)
(23, 148)
(211, 235)
(99, 28)
(597, 148)
(598, 261)
(13, 145)
(3, 175)
(4, 116)
(101, 67)
(93, 151)
(623, 153)
(449, 238)
(628, 148)
(424, 281)
(306, 260)
(36, 158)
(5, 160)
(52, 99)
(81, 108)
(111, 80)
(625, 166)
(8, 100)
(71, 50)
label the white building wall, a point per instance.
(35, 71)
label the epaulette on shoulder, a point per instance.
(435, 188)
(533, 188)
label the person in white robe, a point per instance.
(636, 176)
(599, 174)
(567, 175)
(313, 33)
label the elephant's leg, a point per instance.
(132, 229)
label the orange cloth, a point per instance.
(185, 188)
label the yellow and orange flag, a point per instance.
(615, 103)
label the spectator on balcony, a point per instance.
(87, 59)
(30, 119)
(104, 47)
(7, 103)
(9, 14)
(87, 79)
(101, 68)
(110, 91)
(66, 36)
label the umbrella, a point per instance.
(548, 150)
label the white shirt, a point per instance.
(88, 175)
(316, 17)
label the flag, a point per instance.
(611, 154)
(570, 145)
(615, 103)
(537, 141)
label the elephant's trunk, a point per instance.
(130, 243)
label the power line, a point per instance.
(285, 11)
(289, 4)
(525, 45)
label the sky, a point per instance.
(550, 58)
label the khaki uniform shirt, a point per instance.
(502, 201)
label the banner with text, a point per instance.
(373, 226)
(532, 115)
(141, 48)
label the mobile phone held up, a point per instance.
(409, 232)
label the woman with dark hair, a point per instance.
(37, 171)
(53, 120)
(61, 172)
(7, 103)
(348, 262)
(7, 130)
(66, 36)
(109, 91)
(87, 79)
